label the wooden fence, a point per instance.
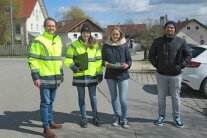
(13, 50)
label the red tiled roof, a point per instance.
(24, 8)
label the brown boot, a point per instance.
(49, 134)
(55, 126)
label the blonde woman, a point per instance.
(117, 60)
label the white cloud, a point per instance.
(119, 6)
(113, 11)
(94, 7)
(203, 11)
(62, 9)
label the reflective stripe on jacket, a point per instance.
(45, 60)
(95, 68)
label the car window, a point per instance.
(196, 51)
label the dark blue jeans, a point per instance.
(81, 99)
(47, 96)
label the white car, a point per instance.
(195, 74)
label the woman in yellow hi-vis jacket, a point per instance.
(45, 62)
(89, 77)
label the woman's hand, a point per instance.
(106, 64)
(78, 69)
(125, 66)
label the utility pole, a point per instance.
(11, 21)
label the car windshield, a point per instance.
(196, 51)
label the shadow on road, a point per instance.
(190, 93)
(24, 121)
(17, 121)
(152, 89)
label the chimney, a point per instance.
(62, 23)
(166, 17)
(186, 19)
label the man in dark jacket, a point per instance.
(169, 54)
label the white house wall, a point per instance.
(35, 21)
(187, 38)
(68, 38)
(195, 34)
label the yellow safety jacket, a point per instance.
(94, 73)
(45, 60)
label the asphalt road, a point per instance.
(19, 109)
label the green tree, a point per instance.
(4, 22)
(153, 29)
(74, 13)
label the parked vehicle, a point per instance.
(195, 74)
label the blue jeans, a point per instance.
(122, 88)
(172, 85)
(81, 100)
(47, 96)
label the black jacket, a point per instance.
(169, 55)
(116, 53)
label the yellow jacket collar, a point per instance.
(48, 36)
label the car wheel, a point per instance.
(203, 88)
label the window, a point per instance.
(31, 27)
(75, 36)
(188, 27)
(96, 35)
(197, 27)
(37, 16)
(18, 29)
(196, 51)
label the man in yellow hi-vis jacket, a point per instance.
(88, 77)
(45, 62)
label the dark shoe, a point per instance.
(84, 123)
(160, 120)
(96, 121)
(48, 133)
(55, 126)
(125, 123)
(178, 122)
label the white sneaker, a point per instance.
(116, 122)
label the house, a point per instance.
(69, 30)
(192, 30)
(132, 33)
(28, 20)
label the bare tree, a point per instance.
(153, 29)
(129, 21)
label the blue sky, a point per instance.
(107, 12)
